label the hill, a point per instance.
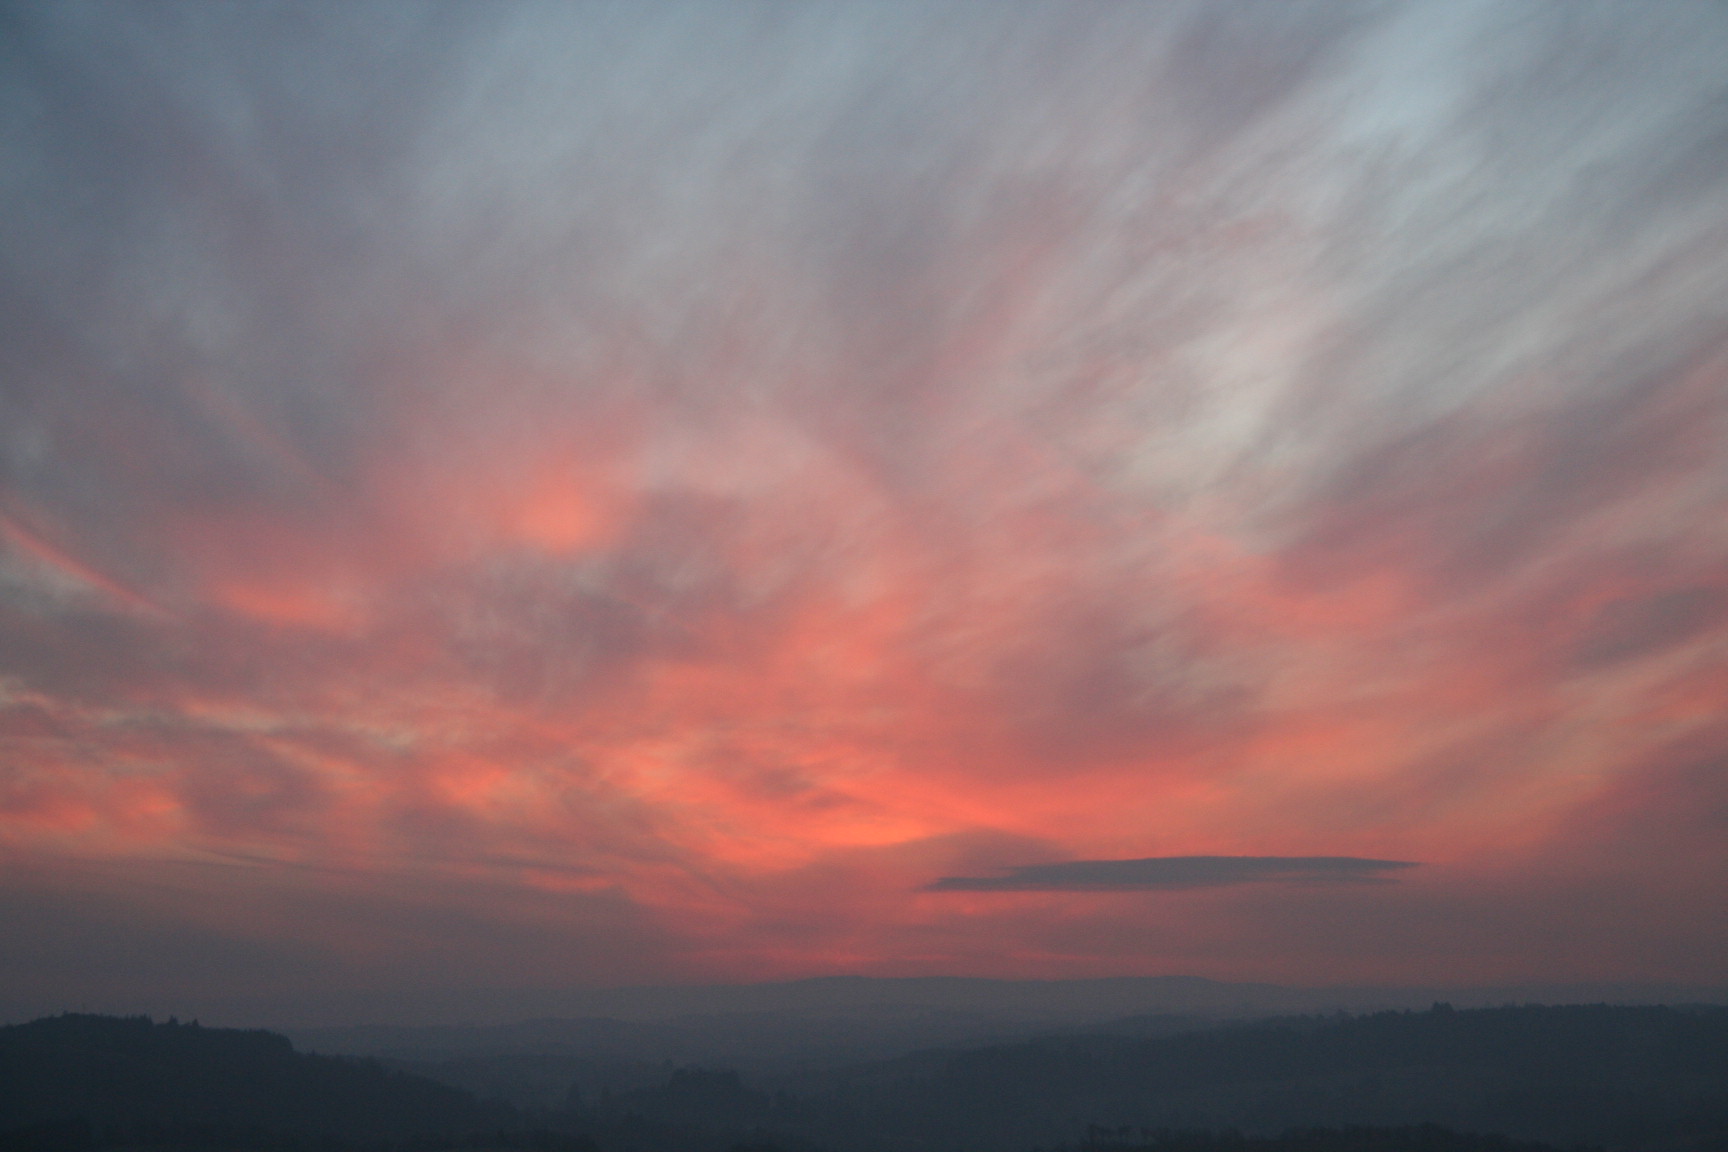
(80, 1079)
(1522, 1078)
(1623, 1077)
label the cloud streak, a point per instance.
(1155, 873)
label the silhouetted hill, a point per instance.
(128, 1079)
(1632, 1078)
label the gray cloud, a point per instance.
(1636, 626)
(1165, 872)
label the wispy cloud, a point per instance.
(721, 466)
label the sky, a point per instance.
(526, 495)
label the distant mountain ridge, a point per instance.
(1074, 1000)
(840, 1018)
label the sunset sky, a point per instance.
(519, 496)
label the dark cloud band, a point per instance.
(1165, 872)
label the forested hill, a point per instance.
(1631, 1079)
(126, 1078)
(1620, 1077)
